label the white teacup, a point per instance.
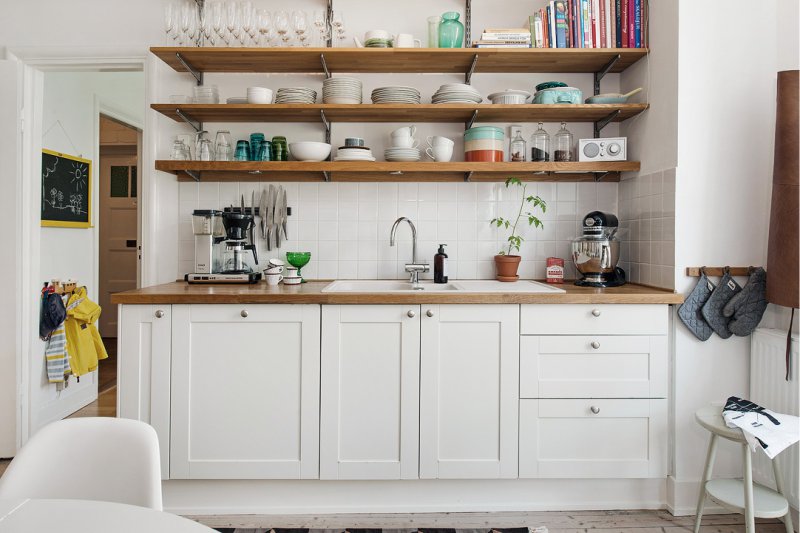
(273, 279)
(440, 154)
(291, 272)
(275, 262)
(274, 270)
(404, 142)
(406, 131)
(434, 141)
(406, 40)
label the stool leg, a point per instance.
(701, 499)
(787, 519)
(749, 512)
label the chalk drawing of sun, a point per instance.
(80, 175)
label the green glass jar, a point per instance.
(279, 148)
(451, 31)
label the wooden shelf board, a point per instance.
(398, 60)
(398, 112)
(391, 171)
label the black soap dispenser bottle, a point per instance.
(440, 265)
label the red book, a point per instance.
(631, 24)
(612, 41)
(602, 17)
(624, 22)
(546, 28)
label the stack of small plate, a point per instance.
(341, 90)
(456, 93)
(401, 154)
(206, 94)
(395, 95)
(295, 95)
(354, 153)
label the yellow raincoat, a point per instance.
(84, 345)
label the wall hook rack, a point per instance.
(598, 76)
(695, 272)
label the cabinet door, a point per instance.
(593, 438)
(469, 391)
(245, 392)
(370, 392)
(144, 349)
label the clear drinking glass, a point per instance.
(264, 24)
(282, 27)
(300, 26)
(433, 31)
(179, 151)
(205, 152)
(223, 149)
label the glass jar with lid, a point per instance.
(540, 145)
(517, 148)
(563, 145)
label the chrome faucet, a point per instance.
(414, 268)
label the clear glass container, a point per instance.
(563, 149)
(517, 149)
(433, 31)
(540, 145)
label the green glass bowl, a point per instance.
(298, 259)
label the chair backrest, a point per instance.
(106, 459)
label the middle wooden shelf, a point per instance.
(463, 113)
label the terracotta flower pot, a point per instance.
(507, 266)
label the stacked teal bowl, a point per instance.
(484, 143)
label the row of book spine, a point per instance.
(590, 24)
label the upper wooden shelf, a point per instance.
(398, 112)
(399, 60)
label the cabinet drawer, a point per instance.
(244, 313)
(568, 439)
(605, 319)
(593, 366)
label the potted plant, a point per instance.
(505, 263)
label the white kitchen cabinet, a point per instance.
(245, 392)
(469, 391)
(369, 425)
(144, 338)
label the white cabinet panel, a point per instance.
(600, 319)
(583, 438)
(245, 393)
(370, 392)
(599, 366)
(469, 391)
(144, 349)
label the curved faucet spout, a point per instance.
(413, 268)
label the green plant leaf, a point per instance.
(513, 181)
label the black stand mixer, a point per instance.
(596, 252)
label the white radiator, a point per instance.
(769, 388)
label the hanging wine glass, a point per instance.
(217, 22)
(187, 14)
(337, 24)
(248, 22)
(282, 27)
(321, 23)
(169, 21)
(300, 25)
(264, 22)
(232, 20)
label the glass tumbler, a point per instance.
(265, 151)
(179, 151)
(433, 31)
(242, 151)
(205, 152)
(222, 146)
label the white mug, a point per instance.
(274, 270)
(440, 154)
(406, 131)
(439, 141)
(406, 40)
(273, 279)
(404, 142)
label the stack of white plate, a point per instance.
(401, 154)
(349, 153)
(456, 93)
(206, 94)
(295, 95)
(341, 90)
(395, 95)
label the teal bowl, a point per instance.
(484, 132)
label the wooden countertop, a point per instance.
(311, 293)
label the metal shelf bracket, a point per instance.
(468, 76)
(191, 70)
(468, 176)
(603, 122)
(603, 71)
(324, 65)
(472, 119)
(193, 174)
(326, 175)
(197, 126)
(598, 176)
(468, 24)
(327, 125)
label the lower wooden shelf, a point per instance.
(392, 171)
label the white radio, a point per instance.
(609, 149)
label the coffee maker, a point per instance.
(208, 233)
(596, 252)
(238, 240)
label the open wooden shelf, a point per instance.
(398, 112)
(391, 171)
(398, 60)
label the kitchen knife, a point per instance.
(285, 215)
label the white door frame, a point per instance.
(34, 61)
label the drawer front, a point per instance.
(593, 439)
(593, 366)
(605, 319)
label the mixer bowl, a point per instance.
(595, 255)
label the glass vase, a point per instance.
(451, 31)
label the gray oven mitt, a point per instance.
(748, 306)
(712, 310)
(689, 311)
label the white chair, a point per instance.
(105, 459)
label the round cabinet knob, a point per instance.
(411, 314)
(595, 312)
(429, 313)
(595, 345)
(594, 409)
(244, 313)
(159, 314)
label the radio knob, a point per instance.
(614, 149)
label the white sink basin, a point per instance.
(483, 286)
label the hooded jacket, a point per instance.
(84, 345)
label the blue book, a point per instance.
(618, 21)
(560, 8)
(637, 17)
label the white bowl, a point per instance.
(310, 151)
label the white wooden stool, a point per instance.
(740, 496)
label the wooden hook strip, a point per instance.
(694, 272)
